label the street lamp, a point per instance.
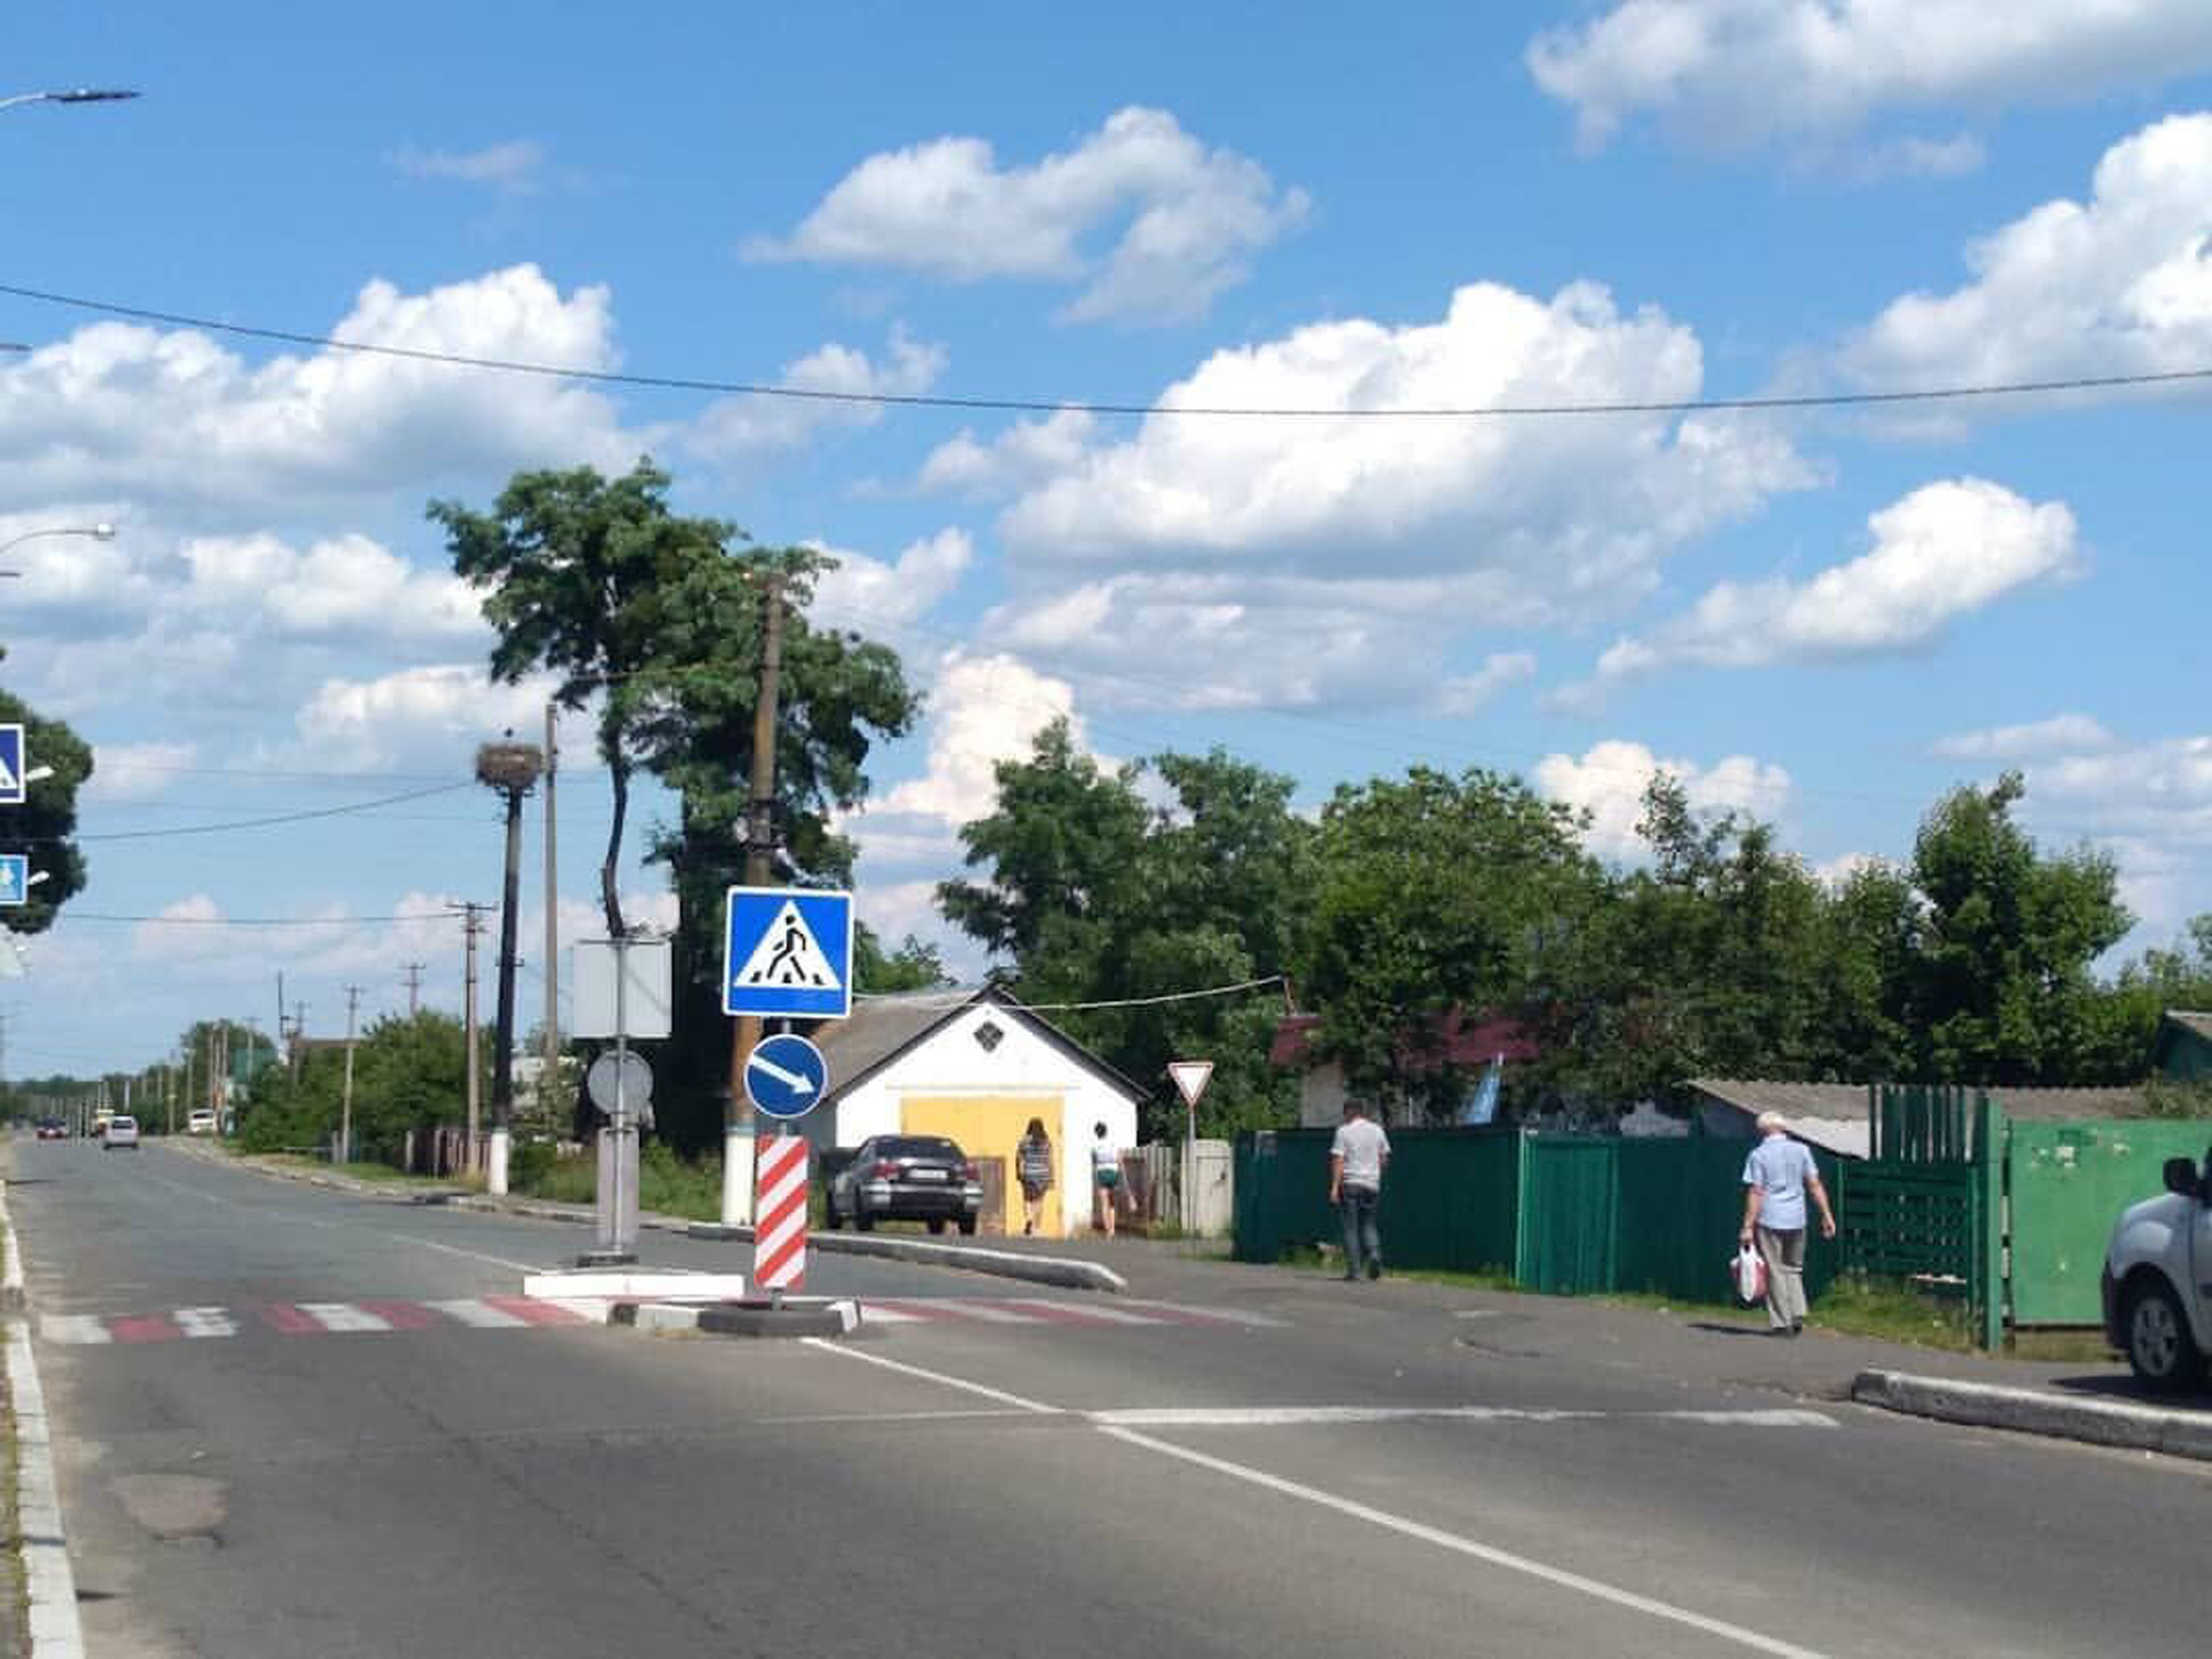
(98, 533)
(72, 95)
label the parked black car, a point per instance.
(906, 1178)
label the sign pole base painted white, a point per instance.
(738, 1176)
(496, 1164)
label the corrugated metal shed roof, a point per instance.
(2191, 1020)
(1846, 1102)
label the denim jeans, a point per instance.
(1363, 1239)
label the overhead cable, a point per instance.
(1095, 406)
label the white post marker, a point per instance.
(779, 1213)
(1191, 1076)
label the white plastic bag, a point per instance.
(1749, 1269)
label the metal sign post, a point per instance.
(1191, 1076)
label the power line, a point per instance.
(260, 922)
(1092, 406)
(961, 998)
(260, 823)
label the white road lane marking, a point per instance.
(482, 1314)
(1221, 1316)
(205, 1322)
(1281, 1416)
(1404, 1526)
(473, 1256)
(938, 1377)
(73, 1328)
(962, 1309)
(1102, 1315)
(1461, 1545)
(343, 1316)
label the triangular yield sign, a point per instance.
(1190, 1078)
(789, 955)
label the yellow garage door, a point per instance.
(988, 1127)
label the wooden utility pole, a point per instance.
(345, 1109)
(760, 867)
(512, 770)
(412, 973)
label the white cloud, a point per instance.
(346, 586)
(1464, 694)
(1186, 219)
(170, 419)
(736, 428)
(2147, 803)
(516, 168)
(1228, 562)
(1920, 158)
(1609, 780)
(428, 719)
(863, 592)
(1738, 73)
(1942, 552)
(135, 771)
(1026, 454)
(2060, 734)
(2119, 284)
(982, 709)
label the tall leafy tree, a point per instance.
(577, 572)
(1433, 893)
(45, 824)
(2005, 991)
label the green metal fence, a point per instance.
(2068, 1183)
(1567, 1214)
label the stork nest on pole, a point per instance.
(512, 766)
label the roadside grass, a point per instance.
(382, 1173)
(15, 1587)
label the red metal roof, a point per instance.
(1455, 1038)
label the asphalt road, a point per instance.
(1276, 1466)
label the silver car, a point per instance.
(119, 1132)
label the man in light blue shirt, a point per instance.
(1777, 1177)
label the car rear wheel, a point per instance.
(967, 1225)
(831, 1215)
(2160, 1351)
(937, 1224)
(861, 1218)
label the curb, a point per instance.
(2178, 1433)
(806, 1317)
(49, 1586)
(1066, 1273)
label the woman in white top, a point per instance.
(1105, 1178)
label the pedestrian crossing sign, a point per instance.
(13, 787)
(787, 953)
(15, 878)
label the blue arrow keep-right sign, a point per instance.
(15, 878)
(785, 1076)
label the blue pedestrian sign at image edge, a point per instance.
(787, 953)
(15, 878)
(13, 765)
(785, 1076)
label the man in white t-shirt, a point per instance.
(1357, 1158)
(1777, 1177)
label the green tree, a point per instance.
(579, 573)
(692, 706)
(1433, 893)
(1095, 897)
(2005, 991)
(915, 965)
(44, 825)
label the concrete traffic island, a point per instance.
(795, 1316)
(2179, 1429)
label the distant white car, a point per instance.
(120, 1132)
(201, 1122)
(2158, 1301)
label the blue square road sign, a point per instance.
(787, 953)
(13, 764)
(15, 878)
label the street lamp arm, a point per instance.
(98, 533)
(73, 95)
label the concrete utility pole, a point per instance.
(472, 924)
(412, 973)
(550, 1078)
(299, 1036)
(512, 769)
(345, 1108)
(760, 852)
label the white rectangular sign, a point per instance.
(648, 1003)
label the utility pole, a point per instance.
(286, 1055)
(412, 972)
(549, 1059)
(345, 1108)
(760, 849)
(472, 924)
(299, 1037)
(512, 769)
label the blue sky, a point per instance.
(1826, 617)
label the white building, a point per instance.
(976, 1070)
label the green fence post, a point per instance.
(1991, 1150)
(1522, 1274)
